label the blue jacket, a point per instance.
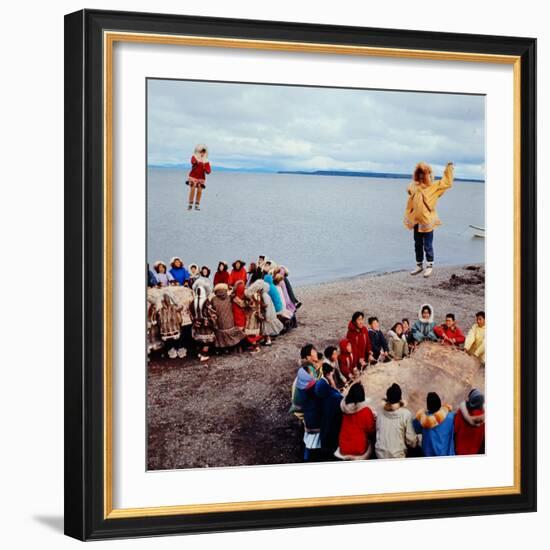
(274, 294)
(180, 274)
(331, 414)
(438, 441)
(423, 331)
(378, 342)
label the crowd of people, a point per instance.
(238, 309)
(328, 395)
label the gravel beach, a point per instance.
(234, 411)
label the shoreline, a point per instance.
(234, 412)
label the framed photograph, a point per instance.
(300, 274)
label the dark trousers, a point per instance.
(423, 243)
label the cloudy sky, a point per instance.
(270, 128)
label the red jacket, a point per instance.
(199, 169)
(357, 428)
(239, 275)
(345, 359)
(221, 277)
(360, 342)
(469, 435)
(457, 334)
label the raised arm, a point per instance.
(446, 182)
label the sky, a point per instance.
(270, 127)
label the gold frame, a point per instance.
(109, 39)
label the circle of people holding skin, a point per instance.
(339, 422)
(238, 310)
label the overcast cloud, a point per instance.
(265, 127)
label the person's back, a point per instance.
(469, 425)
(436, 424)
(394, 431)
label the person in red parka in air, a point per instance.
(358, 335)
(470, 425)
(197, 176)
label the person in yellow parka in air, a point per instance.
(420, 213)
(475, 340)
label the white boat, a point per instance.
(478, 231)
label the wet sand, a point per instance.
(234, 411)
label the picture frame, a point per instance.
(89, 367)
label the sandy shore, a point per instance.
(234, 411)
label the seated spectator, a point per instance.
(397, 342)
(423, 328)
(346, 361)
(436, 424)
(358, 335)
(475, 341)
(358, 426)
(394, 428)
(449, 333)
(378, 342)
(332, 355)
(469, 425)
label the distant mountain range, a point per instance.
(388, 175)
(361, 174)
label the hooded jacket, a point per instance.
(424, 330)
(358, 425)
(199, 163)
(421, 204)
(180, 274)
(398, 345)
(469, 428)
(346, 361)
(437, 431)
(360, 342)
(237, 275)
(394, 431)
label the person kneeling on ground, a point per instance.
(346, 361)
(358, 426)
(469, 425)
(449, 332)
(394, 427)
(332, 355)
(436, 424)
(358, 335)
(379, 344)
(423, 328)
(397, 342)
(475, 341)
(331, 414)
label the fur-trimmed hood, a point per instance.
(472, 420)
(197, 152)
(257, 286)
(172, 260)
(352, 408)
(431, 319)
(157, 264)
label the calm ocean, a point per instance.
(321, 227)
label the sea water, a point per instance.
(321, 227)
